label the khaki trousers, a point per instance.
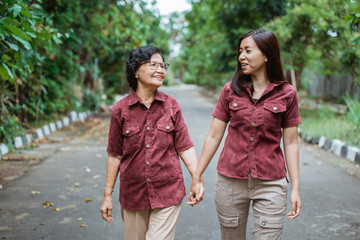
(233, 198)
(150, 224)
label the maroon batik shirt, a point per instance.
(149, 141)
(254, 133)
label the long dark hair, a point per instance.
(269, 46)
(137, 57)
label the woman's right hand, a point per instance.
(106, 209)
(196, 192)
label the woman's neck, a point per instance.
(259, 85)
(146, 95)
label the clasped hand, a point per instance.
(196, 194)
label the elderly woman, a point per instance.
(146, 137)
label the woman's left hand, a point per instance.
(295, 205)
(196, 194)
(106, 209)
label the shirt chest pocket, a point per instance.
(165, 134)
(238, 113)
(131, 135)
(273, 114)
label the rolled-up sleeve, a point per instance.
(115, 140)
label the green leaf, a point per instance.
(5, 57)
(18, 32)
(57, 40)
(357, 41)
(9, 21)
(3, 73)
(25, 12)
(24, 42)
(16, 10)
(8, 70)
(12, 46)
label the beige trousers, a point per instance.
(150, 224)
(233, 198)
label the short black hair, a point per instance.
(137, 57)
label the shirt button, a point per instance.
(235, 104)
(148, 111)
(148, 179)
(148, 128)
(253, 123)
(127, 131)
(263, 223)
(254, 108)
(250, 154)
(167, 127)
(147, 145)
(251, 139)
(275, 108)
(147, 163)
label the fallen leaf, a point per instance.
(5, 228)
(65, 220)
(88, 199)
(21, 216)
(57, 209)
(47, 203)
(83, 225)
(35, 192)
(79, 219)
(96, 176)
(99, 155)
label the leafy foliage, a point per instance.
(60, 55)
(211, 34)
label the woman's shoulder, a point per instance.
(120, 104)
(168, 99)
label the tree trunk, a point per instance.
(293, 79)
(21, 102)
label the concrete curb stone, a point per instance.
(357, 158)
(335, 146)
(46, 130)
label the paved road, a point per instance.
(76, 171)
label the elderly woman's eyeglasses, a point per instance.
(155, 65)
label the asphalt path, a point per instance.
(70, 183)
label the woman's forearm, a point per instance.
(112, 171)
(211, 144)
(291, 151)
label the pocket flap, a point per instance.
(166, 126)
(275, 107)
(237, 105)
(272, 222)
(228, 221)
(129, 130)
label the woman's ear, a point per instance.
(266, 59)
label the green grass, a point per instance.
(330, 125)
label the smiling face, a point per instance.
(148, 78)
(252, 60)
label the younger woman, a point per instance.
(261, 108)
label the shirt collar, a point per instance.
(134, 98)
(269, 88)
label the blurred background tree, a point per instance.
(57, 56)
